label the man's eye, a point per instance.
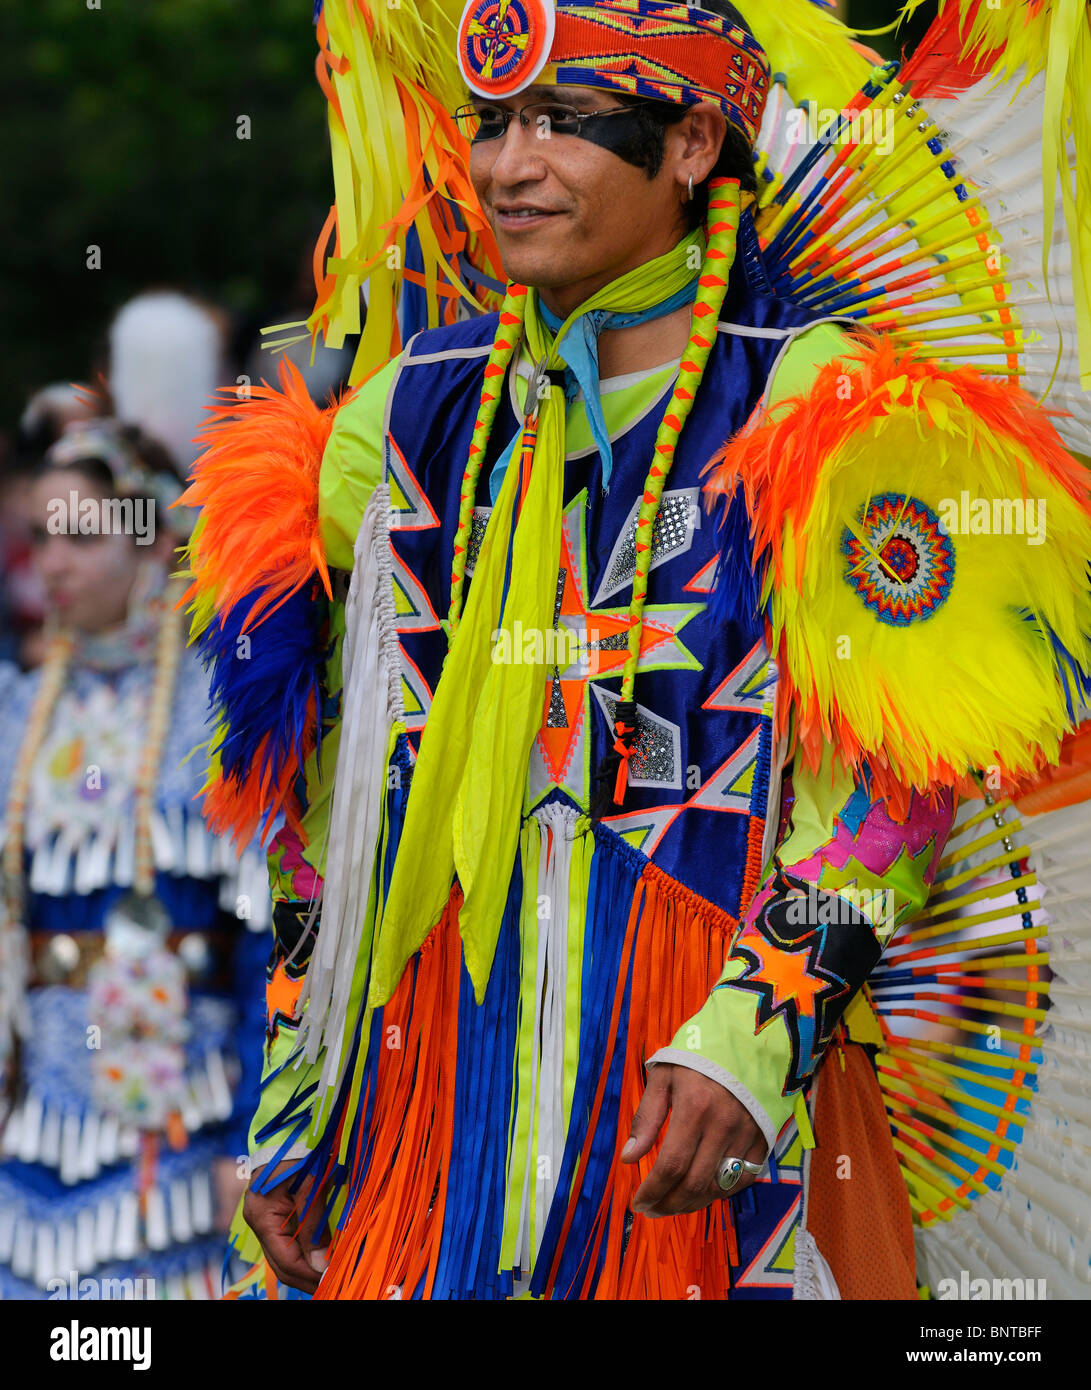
(563, 119)
(491, 118)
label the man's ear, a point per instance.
(699, 137)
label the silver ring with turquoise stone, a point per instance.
(732, 1171)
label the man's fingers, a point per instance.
(287, 1259)
(673, 1162)
(649, 1117)
(295, 1276)
(697, 1187)
(707, 1124)
(273, 1219)
(307, 1230)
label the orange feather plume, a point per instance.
(257, 487)
(255, 546)
(1067, 783)
(780, 457)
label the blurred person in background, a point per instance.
(163, 356)
(129, 1019)
(22, 601)
(168, 352)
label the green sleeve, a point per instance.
(352, 465)
(806, 354)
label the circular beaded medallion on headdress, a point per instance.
(902, 563)
(504, 44)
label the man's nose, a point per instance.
(519, 153)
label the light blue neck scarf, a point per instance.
(580, 351)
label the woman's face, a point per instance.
(88, 576)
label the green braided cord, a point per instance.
(508, 333)
(722, 228)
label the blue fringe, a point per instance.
(398, 783)
(1074, 677)
(291, 1121)
(473, 1223)
(267, 692)
(748, 250)
(615, 872)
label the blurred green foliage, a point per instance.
(120, 130)
(877, 14)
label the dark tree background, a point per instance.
(121, 130)
(876, 14)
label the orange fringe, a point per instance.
(752, 873)
(678, 942)
(1067, 783)
(391, 1236)
(438, 162)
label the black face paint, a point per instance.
(625, 135)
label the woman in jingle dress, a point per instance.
(131, 940)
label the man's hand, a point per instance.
(707, 1124)
(288, 1243)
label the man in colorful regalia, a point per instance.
(595, 811)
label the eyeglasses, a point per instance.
(551, 118)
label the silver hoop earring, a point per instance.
(690, 192)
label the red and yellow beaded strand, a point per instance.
(722, 229)
(509, 332)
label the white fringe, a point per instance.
(370, 668)
(93, 1229)
(812, 1279)
(542, 1161)
(83, 859)
(79, 1143)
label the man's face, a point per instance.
(569, 215)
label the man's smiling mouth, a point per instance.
(523, 214)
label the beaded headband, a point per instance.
(105, 441)
(648, 48)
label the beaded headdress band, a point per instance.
(648, 48)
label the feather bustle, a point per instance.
(790, 466)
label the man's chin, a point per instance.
(540, 267)
(537, 276)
